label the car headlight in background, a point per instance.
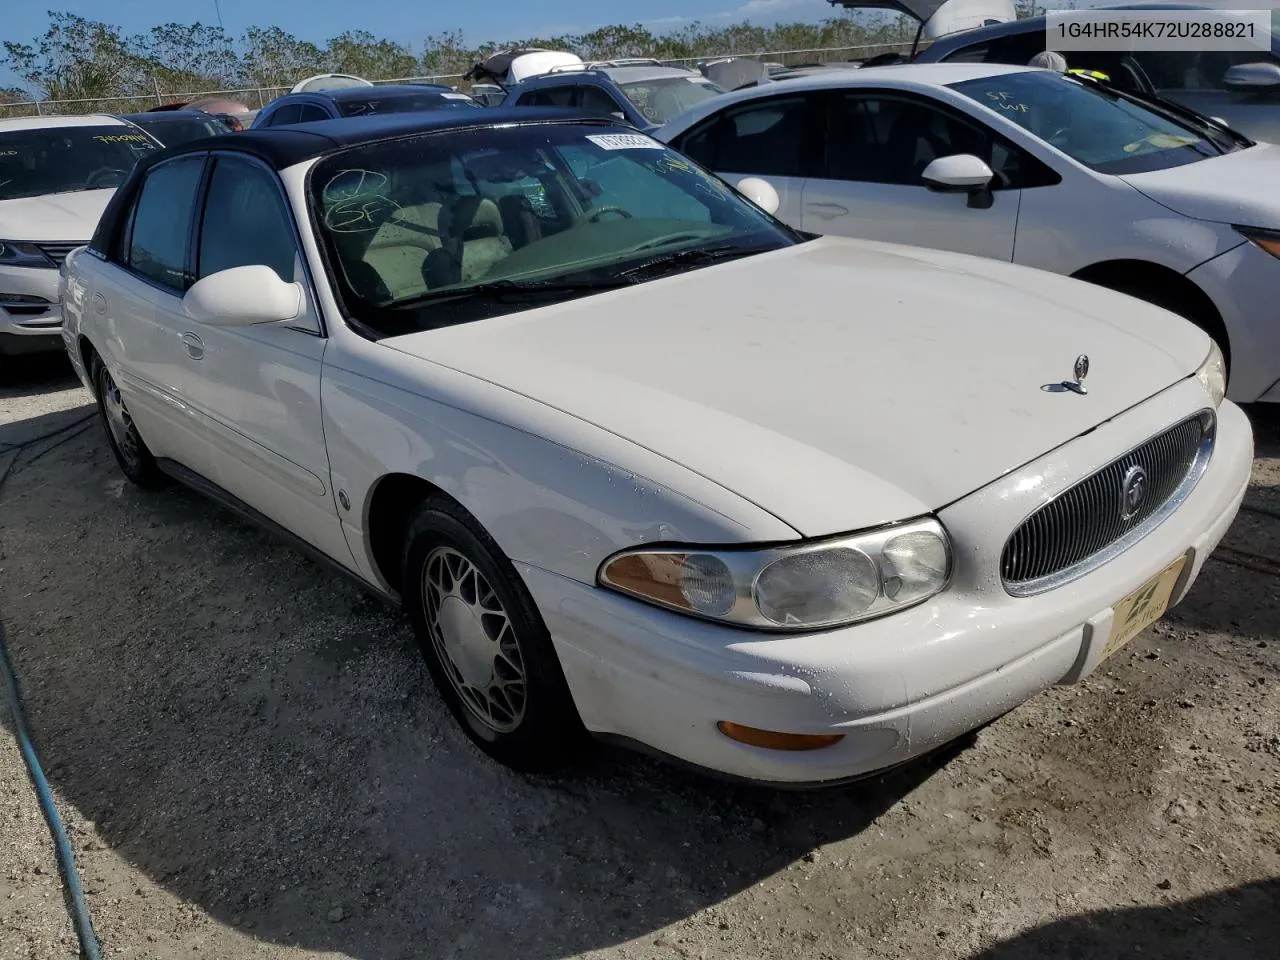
(1268, 240)
(803, 586)
(16, 254)
(1213, 374)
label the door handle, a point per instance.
(194, 345)
(827, 211)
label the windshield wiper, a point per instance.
(514, 291)
(695, 256)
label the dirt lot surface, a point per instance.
(253, 764)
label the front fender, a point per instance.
(552, 491)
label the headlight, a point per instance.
(16, 254)
(1213, 374)
(1268, 240)
(802, 586)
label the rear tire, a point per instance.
(486, 646)
(131, 453)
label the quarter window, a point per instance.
(246, 222)
(158, 239)
(289, 113)
(310, 113)
(771, 137)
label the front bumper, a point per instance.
(1243, 283)
(900, 686)
(34, 329)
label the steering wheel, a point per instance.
(101, 172)
(595, 215)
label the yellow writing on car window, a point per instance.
(121, 138)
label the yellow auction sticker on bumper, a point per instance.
(1143, 607)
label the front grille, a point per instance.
(57, 252)
(1086, 524)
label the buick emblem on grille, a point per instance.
(1133, 492)
(1081, 371)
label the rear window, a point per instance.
(407, 103)
(170, 131)
(34, 163)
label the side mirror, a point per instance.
(242, 297)
(1258, 77)
(761, 193)
(961, 173)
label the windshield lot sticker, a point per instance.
(625, 141)
(121, 138)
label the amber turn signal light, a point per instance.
(773, 740)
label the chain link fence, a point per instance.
(257, 97)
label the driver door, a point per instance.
(871, 188)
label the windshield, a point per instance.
(661, 100)
(1101, 128)
(66, 159)
(405, 103)
(171, 130)
(424, 232)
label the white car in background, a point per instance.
(636, 459)
(1030, 166)
(56, 176)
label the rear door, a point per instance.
(137, 303)
(778, 139)
(878, 146)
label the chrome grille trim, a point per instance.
(1081, 528)
(57, 251)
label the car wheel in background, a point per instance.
(126, 443)
(488, 651)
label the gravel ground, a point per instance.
(253, 764)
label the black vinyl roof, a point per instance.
(281, 147)
(285, 146)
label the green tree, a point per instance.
(276, 58)
(182, 56)
(361, 53)
(76, 59)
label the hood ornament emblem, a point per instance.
(1074, 386)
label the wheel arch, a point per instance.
(392, 501)
(1164, 287)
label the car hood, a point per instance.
(1236, 187)
(55, 216)
(839, 383)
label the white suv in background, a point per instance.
(56, 176)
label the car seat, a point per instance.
(519, 221)
(475, 241)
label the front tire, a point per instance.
(486, 646)
(130, 451)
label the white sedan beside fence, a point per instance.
(637, 459)
(1031, 166)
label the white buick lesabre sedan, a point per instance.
(638, 460)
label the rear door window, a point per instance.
(161, 230)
